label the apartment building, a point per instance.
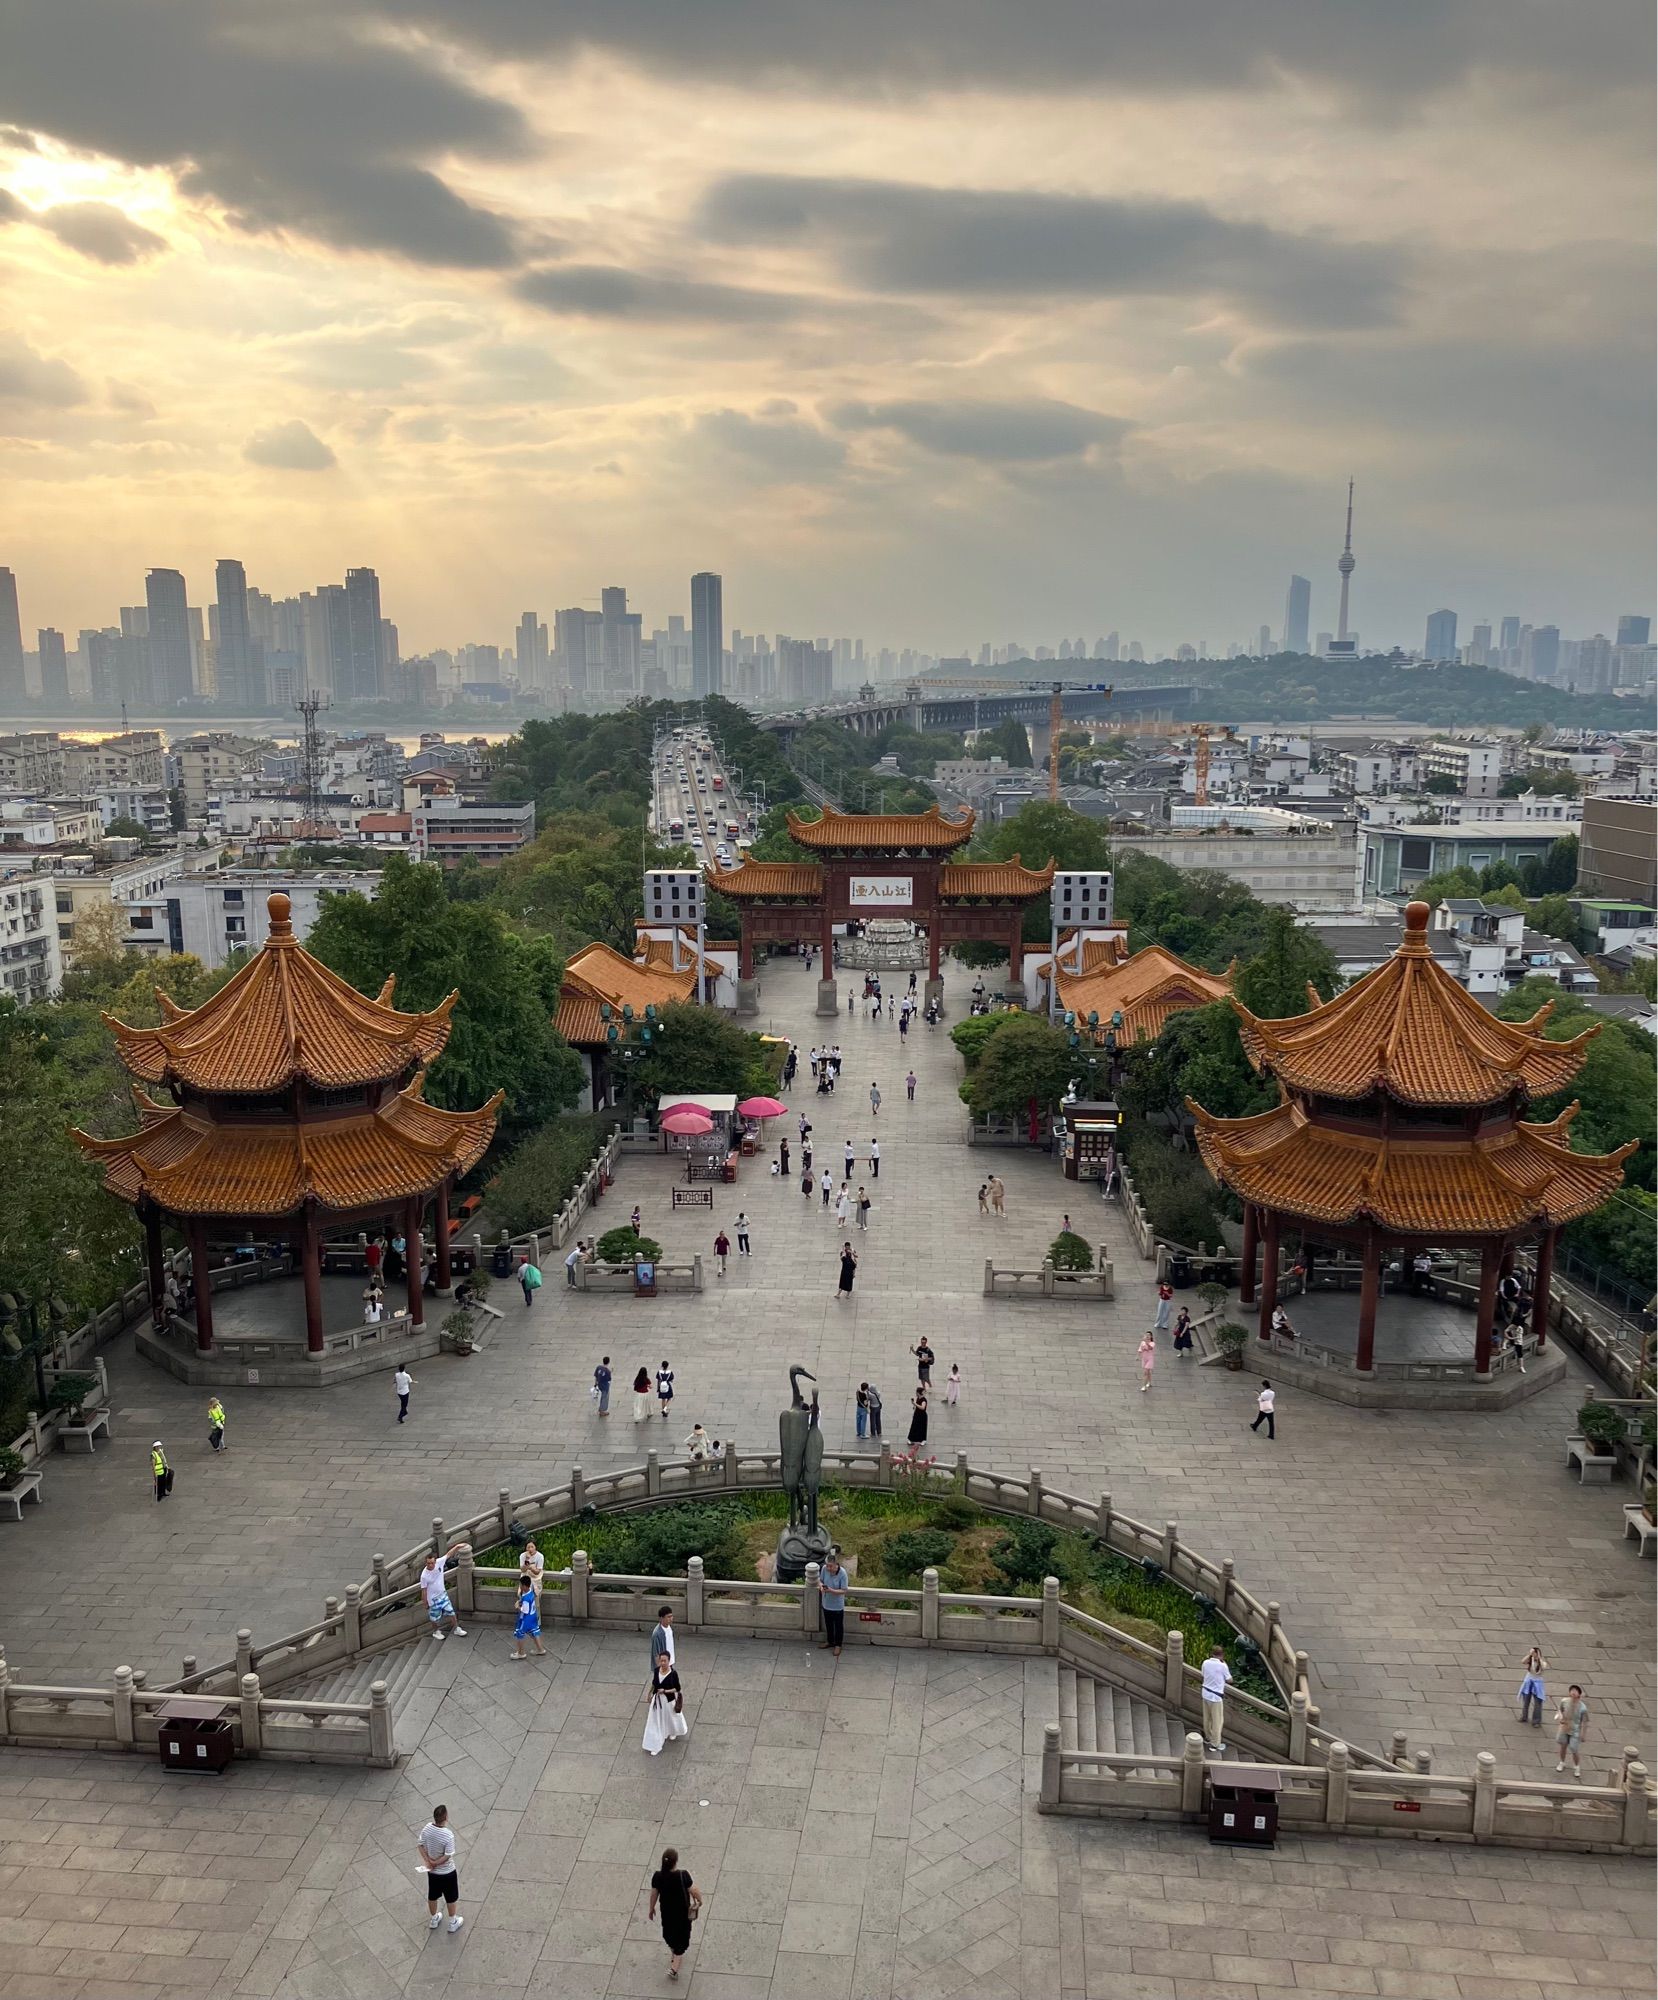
(1475, 769)
(31, 961)
(214, 915)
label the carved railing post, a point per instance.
(1050, 1765)
(1050, 1614)
(1298, 1726)
(693, 1593)
(380, 1723)
(811, 1603)
(253, 1727)
(579, 1586)
(1485, 1795)
(123, 1706)
(1174, 1665)
(929, 1605)
(1335, 1788)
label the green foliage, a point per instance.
(663, 1542)
(1184, 1204)
(1025, 1061)
(698, 1050)
(1199, 1055)
(1617, 1087)
(1068, 1252)
(1556, 873)
(955, 1513)
(69, 1392)
(13, 1465)
(537, 1177)
(971, 1035)
(1274, 983)
(1600, 1423)
(593, 764)
(580, 881)
(1009, 740)
(1230, 1337)
(918, 756)
(502, 1036)
(1446, 886)
(1544, 782)
(621, 1246)
(1025, 1554)
(1554, 916)
(756, 752)
(1439, 782)
(903, 1556)
(123, 828)
(1622, 1235)
(1205, 915)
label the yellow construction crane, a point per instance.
(1055, 690)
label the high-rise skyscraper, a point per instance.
(1479, 646)
(12, 684)
(1508, 639)
(1442, 636)
(54, 668)
(365, 666)
(1632, 631)
(1298, 604)
(531, 650)
(707, 634)
(171, 679)
(1541, 652)
(621, 632)
(578, 642)
(240, 661)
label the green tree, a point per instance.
(1274, 983)
(1439, 782)
(502, 1036)
(1555, 917)
(1446, 886)
(581, 880)
(696, 1049)
(1556, 873)
(178, 809)
(1026, 1062)
(1617, 1087)
(1009, 740)
(1199, 1055)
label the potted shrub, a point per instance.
(12, 1466)
(1213, 1296)
(1069, 1252)
(1600, 1426)
(1231, 1339)
(457, 1330)
(68, 1394)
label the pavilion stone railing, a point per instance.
(619, 1277)
(1047, 1283)
(1343, 1361)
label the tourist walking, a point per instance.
(918, 1417)
(679, 1900)
(998, 1195)
(1265, 1403)
(984, 1197)
(874, 1159)
(909, 1086)
(529, 1618)
(851, 1159)
(924, 1359)
(806, 1182)
(634, 1218)
(832, 1586)
(1571, 1725)
(722, 1249)
(664, 1389)
(160, 1471)
(862, 1407)
(439, 1611)
(402, 1382)
(806, 1157)
(904, 1025)
(1217, 1677)
(1532, 1692)
(529, 1279)
(863, 1207)
(641, 1394)
(215, 1423)
(1165, 1304)
(1183, 1333)
(849, 1270)
(601, 1386)
(436, 1848)
(742, 1233)
(783, 1156)
(1148, 1360)
(952, 1385)
(827, 1184)
(874, 1100)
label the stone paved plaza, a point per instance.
(1415, 1557)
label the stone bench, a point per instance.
(1594, 1468)
(91, 1423)
(27, 1488)
(1636, 1523)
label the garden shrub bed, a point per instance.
(891, 1538)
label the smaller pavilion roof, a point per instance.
(189, 1164)
(928, 832)
(801, 881)
(598, 975)
(283, 1017)
(1145, 987)
(1411, 1029)
(993, 878)
(1523, 1177)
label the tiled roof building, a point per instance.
(1143, 987)
(296, 1099)
(1400, 1124)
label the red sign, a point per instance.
(869, 1617)
(1407, 1805)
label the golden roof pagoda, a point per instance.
(1145, 987)
(910, 833)
(599, 978)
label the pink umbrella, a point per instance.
(687, 1123)
(762, 1107)
(695, 1109)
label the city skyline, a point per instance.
(919, 334)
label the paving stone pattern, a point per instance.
(1416, 1557)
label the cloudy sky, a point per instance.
(932, 320)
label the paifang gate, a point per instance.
(885, 865)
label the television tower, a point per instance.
(1346, 565)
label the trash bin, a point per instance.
(192, 1735)
(1180, 1270)
(1243, 1804)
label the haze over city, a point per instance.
(930, 328)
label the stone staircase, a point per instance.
(1094, 1715)
(415, 1678)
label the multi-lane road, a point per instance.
(696, 801)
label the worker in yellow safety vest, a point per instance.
(162, 1470)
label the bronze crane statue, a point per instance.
(801, 1444)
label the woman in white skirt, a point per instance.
(641, 1395)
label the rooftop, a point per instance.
(916, 832)
(1145, 987)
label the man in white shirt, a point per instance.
(1217, 1677)
(439, 1611)
(1264, 1404)
(402, 1382)
(436, 1848)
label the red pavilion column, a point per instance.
(411, 1259)
(440, 1224)
(1490, 1268)
(310, 1271)
(1269, 1271)
(196, 1233)
(1246, 1267)
(1540, 1291)
(1016, 953)
(154, 1264)
(1369, 1290)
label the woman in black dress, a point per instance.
(849, 1270)
(918, 1418)
(679, 1899)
